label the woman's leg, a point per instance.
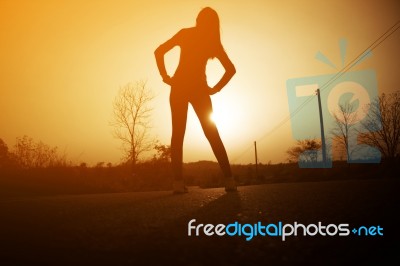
(203, 107)
(179, 108)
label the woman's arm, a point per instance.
(230, 71)
(159, 54)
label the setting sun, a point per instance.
(226, 118)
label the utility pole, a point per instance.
(321, 120)
(255, 153)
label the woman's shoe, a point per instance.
(230, 185)
(178, 187)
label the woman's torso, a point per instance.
(191, 70)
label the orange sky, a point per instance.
(62, 63)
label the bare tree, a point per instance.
(307, 148)
(344, 130)
(382, 125)
(131, 120)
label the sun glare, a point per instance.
(213, 117)
(223, 119)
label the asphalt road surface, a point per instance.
(151, 228)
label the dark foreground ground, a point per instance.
(151, 227)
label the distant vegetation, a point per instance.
(379, 129)
(32, 167)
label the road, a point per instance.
(152, 227)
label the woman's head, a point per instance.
(207, 23)
(207, 18)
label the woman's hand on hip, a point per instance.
(167, 80)
(213, 90)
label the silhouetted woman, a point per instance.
(189, 85)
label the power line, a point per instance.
(345, 69)
(363, 54)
